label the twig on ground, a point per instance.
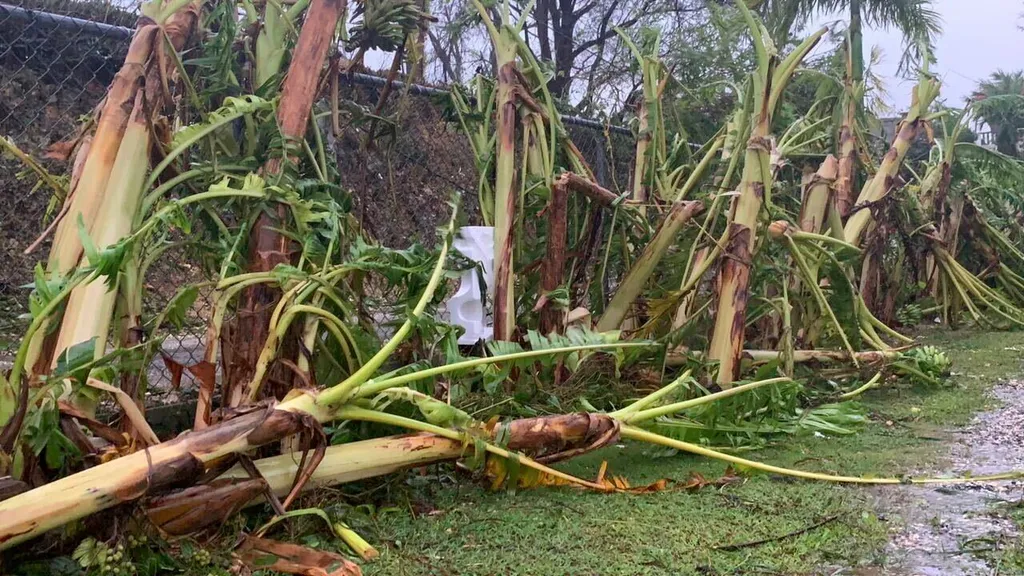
(752, 543)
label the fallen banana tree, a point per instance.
(183, 460)
(554, 438)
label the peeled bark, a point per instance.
(595, 192)
(554, 438)
(86, 198)
(179, 462)
(935, 196)
(505, 192)
(869, 280)
(198, 507)
(734, 275)
(271, 555)
(357, 461)
(90, 307)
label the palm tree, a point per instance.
(1000, 103)
(916, 19)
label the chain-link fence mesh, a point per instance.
(57, 59)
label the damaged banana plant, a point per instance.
(768, 83)
(246, 184)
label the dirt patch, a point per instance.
(944, 528)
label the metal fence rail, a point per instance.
(57, 58)
(61, 22)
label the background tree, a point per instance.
(587, 63)
(446, 42)
(1000, 103)
(915, 19)
(565, 30)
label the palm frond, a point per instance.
(999, 165)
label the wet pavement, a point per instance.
(941, 529)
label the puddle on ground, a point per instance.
(938, 526)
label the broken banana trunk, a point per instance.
(884, 180)
(820, 199)
(197, 507)
(177, 463)
(268, 246)
(632, 285)
(504, 193)
(109, 168)
(549, 439)
(769, 81)
(847, 148)
(180, 463)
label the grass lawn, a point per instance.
(465, 530)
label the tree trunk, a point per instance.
(847, 157)
(268, 247)
(633, 282)
(643, 143)
(541, 12)
(109, 178)
(84, 200)
(564, 25)
(734, 275)
(856, 41)
(553, 269)
(814, 208)
(888, 170)
(505, 193)
(419, 65)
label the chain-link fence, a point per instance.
(57, 59)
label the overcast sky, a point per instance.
(978, 37)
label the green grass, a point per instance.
(566, 531)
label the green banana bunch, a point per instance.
(383, 24)
(910, 315)
(930, 360)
